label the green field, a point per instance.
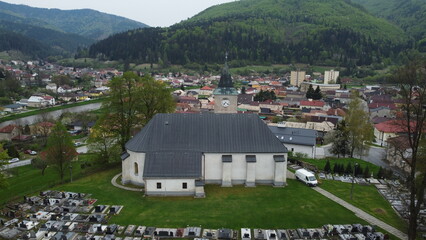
(28, 180)
(264, 206)
(368, 199)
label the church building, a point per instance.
(176, 154)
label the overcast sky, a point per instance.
(155, 13)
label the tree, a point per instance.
(340, 140)
(133, 102)
(366, 172)
(358, 126)
(411, 79)
(3, 158)
(349, 170)
(60, 150)
(317, 95)
(327, 167)
(265, 95)
(310, 93)
(380, 173)
(39, 164)
(102, 141)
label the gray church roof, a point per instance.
(298, 136)
(206, 133)
(172, 164)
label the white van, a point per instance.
(307, 177)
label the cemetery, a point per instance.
(58, 215)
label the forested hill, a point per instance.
(28, 47)
(264, 31)
(87, 23)
(58, 41)
(410, 15)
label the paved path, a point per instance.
(115, 184)
(363, 215)
(17, 164)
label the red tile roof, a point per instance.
(313, 103)
(394, 126)
(377, 105)
(206, 88)
(8, 128)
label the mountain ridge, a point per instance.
(85, 22)
(264, 31)
(410, 15)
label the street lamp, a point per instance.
(70, 172)
(353, 179)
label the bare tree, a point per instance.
(412, 81)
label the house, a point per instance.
(41, 101)
(388, 129)
(11, 108)
(312, 104)
(8, 132)
(176, 154)
(381, 112)
(82, 125)
(296, 140)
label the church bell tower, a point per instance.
(225, 95)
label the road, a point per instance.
(17, 164)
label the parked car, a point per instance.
(77, 144)
(13, 160)
(306, 177)
(31, 152)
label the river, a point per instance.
(54, 114)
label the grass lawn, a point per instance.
(368, 199)
(264, 206)
(28, 180)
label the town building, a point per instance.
(297, 77)
(176, 154)
(331, 76)
(296, 140)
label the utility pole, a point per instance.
(353, 180)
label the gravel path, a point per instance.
(115, 184)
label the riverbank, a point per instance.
(50, 109)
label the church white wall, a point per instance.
(264, 168)
(170, 187)
(309, 150)
(128, 168)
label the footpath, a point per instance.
(363, 215)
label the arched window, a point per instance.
(136, 169)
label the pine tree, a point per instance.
(327, 167)
(336, 168)
(348, 169)
(366, 172)
(380, 173)
(317, 94)
(310, 93)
